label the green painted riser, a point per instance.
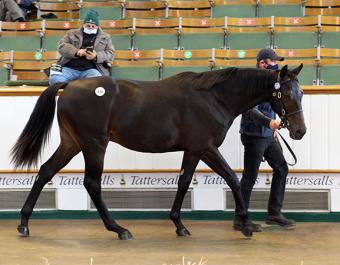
(234, 11)
(136, 73)
(156, 215)
(154, 42)
(169, 71)
(295, 40)
(280, 11)
(238, 41)
(202, 41)
(331, 40)
(20, 43)
(105, 12)
(330, 75)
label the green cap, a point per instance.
(92, 16)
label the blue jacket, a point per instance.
(255, 122)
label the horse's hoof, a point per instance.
(247, 232)
(183, 232)
(126, 235)
(23, 230)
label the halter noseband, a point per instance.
(277, 96)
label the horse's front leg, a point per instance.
(213, 158)
(189, 164)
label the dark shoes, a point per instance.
(238, 225)
(49, 15)
(281, 221)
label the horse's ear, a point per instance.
(284, 71)
(297, 70)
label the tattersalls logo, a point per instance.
(189, 262)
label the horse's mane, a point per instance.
(209, 79)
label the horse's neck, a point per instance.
(253, 91)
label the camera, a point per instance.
(89, 49)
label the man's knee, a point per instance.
(56, 79)
(91, 73)
(282, 170)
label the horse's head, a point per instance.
(286, 102)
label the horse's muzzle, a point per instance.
(298, 134)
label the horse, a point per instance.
(188, 112)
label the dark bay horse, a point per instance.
(188, 112)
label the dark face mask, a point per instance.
(273, 67)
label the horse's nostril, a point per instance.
(300, 133)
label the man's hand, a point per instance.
(81, 52)
(274, 124)
(18, 2)
(91, 55)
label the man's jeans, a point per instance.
(69, 74)
(255, 148)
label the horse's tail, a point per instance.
(33, 138)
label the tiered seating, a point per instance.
(329, 66)
(66, 9)
(28, 67)
(22, 36)
(202, 33)
(53, 31)
(323, 7)
(106, 9)
(248, 33)
(156, 39)
(177, 61)
(295, 32)
(234, 8)
(330, 31)
(137, 65)
(309, 58)
(282, 8)
(149, 34)
(150, 9)
(5, 59)
(188, 8)
(121, 32)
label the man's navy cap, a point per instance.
(268, 54)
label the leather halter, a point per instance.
(277, 96)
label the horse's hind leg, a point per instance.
(94, 158)
(189, 165)
(65, 152)
(216, 162)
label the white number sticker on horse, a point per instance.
(277, 85)
(100, 91)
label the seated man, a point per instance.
(10, 11)
(84, 52)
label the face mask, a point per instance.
(273, 67)
(90, 31)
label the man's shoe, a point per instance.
(237, 225)
(281, 221)
(20, 19)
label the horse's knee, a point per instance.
(92, 187)
(184, 183)
(45, 174)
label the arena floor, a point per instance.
(79, 242)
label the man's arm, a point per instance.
(258, 117)
(66, 49)
(107, 54)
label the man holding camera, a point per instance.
(85, 52)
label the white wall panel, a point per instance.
(333, 136)
(317, 150)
